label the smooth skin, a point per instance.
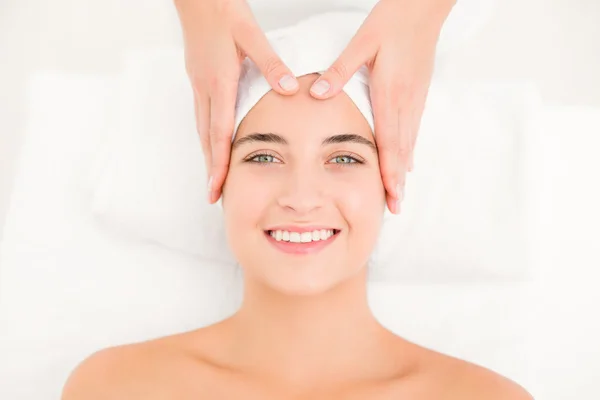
(305, 329)
(397, 42)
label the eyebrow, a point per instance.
(275, 138)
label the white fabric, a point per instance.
(467, 18)
(310, 46)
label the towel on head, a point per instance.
(310, 46)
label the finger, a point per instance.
(222, 113)
(393, 204)
(202, 113)
(385, 101)
(394, 148)
(393, 173)
(359, 52)
(256, 46)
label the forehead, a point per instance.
(302, 117)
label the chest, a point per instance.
(208, 382)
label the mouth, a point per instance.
(302, 241)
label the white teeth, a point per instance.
(304, 237)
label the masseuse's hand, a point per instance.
(397, 42)
(218, 35)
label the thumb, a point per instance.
(256, 46)
(358, 53)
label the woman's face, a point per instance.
(302, 169)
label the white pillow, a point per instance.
(460, 219)
(153, 179)
(463, 213)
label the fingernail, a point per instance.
(320, 88)
(411, 165)
(398, 206)
(288, 82)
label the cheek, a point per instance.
(359, 195)
(245, 199)
(361, 202)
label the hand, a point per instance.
(397, 42)
(218, 36)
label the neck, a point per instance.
(327, 337)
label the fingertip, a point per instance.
(214, 196)
(218, 175)
(389, 203)
(287, 84)
(322, 88)
(393, 204)
(210, 188)
(391, 184)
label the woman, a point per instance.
(303, 205)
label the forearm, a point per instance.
(435, 11)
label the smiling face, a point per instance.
(303, 200)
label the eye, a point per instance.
(345, 159)
(262, 158)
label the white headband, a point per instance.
(310, 46)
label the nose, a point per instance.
(303, 191)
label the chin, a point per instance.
(312, 280)
(303, 289)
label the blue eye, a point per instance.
(344, 160)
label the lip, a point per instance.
(301, 248)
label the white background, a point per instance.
(553, 43)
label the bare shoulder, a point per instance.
(147, 370)
(478, 382)
(102, 375)
(465, 380)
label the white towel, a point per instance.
(310, 46)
